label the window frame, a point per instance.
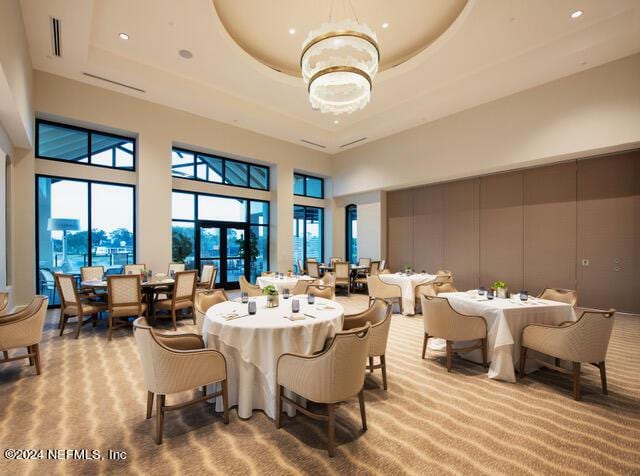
(89, 133)
(305, 193)
(224, 160)
(304, 231)
(348, 229)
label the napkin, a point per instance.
(323, 307)
(295, 317)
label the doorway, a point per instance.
(223, 245)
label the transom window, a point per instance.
(210, 168)
(308, 234)
(308, 186)
(78, 145)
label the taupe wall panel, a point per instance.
(400, 228)
(501, 230)
(550, 227)
(461, 231)
(428, 228)
(608, 232)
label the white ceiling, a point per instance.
(493, 49)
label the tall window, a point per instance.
(352, 233)
(84, 146)
(307, 186)
(82, 223)
(308, 234)
(208, 168)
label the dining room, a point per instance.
(320, 237)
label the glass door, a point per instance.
(223, 245)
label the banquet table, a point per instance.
(252, 345)
(407, 283)
(281, 283)
(505, 320)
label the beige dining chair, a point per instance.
(301, 269)
(313, 268)
(330, 377)
(176, 268)
(4, 303)
(334, 260)
(329, 279)
(567, 296)
(364, 262)
(174, 364)
(361, 279)
(326, 292)
(182, 298)
(23, 329)
(73, 305)
(92, 273)
(125, 300)
(379, 316)
(135, 268)
(583, 341)
(204, 300)
(301, 286)
(378, 289)
(252, 290)
(343, 276)
(443, 322)
(383, 262)
(267, 274)
(208, 277)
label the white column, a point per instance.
(281, 228)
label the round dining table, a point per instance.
(252, 344)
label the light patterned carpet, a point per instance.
(91, 395)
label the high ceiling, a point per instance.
(490, 50)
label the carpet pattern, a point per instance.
(91, 395)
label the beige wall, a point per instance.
(577, 116)
(157, 128)
(531, 228)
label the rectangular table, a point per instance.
(505, 320)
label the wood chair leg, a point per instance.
(79, 325)
(278, 405)
(36, 358)
(63, 323)
(5, 353)
(523, 360)
(449, 352)
(576, 381)
(173, 319)
(424, 345)
(603, 377)
(111, 318)
(60, 320)
(363, 415)
(331, 445)
(383, 362)
(225, 402)
(149, 404)
(159, 418)
(484, 353)
(400, 303)
(31, 361)
(193, 315)
(370, 364)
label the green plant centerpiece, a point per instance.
(500, 287)
(407, 268)
(273, 297)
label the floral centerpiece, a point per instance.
(500, 288)
(273, 298)
(408, 269)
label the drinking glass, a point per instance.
(295, 305)
(482, 291)
(524, 295)
(244, 297)
(311, 298)
(285, 293)
(252, 307)
(490, 294)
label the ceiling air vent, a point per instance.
(313, 143)
(55, 37)
(117, 83)
(353, 142)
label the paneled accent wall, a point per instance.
(531, 228)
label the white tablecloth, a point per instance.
(505, 321)
(408, 285)
(280, 283)
(252, 345)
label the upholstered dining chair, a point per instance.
(204, 300)
(378, 289)
(361, 279)
(135, 268)
(208, 277)
(125, 300)
(72, 304)
(48, 284)
(332, 376)
(252, 290)
(174, 364)
(267, 274)
(321, 291)
(379, 316)
(23, 329)
(383, 263)
(301, 269)
(176, 268)
(182, 298)
(583, 341)
(334, 260)
(364, 262)
(313, 268)
(443, 322)
(343, 275)
(560, 295)
(4, 303)
(329, 279)
(92, 273)
(301, 286)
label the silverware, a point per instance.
(309, 315)
(236, 317)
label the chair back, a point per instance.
(24, 327)
(124, 294)
(442, 321)
(176, 268)
(321, 291)
(444, 276)
(342, 271)
(313, 269)
(4, 303)
(204, 300)
(267, 274)
(379, 316)
(364, 262)
(329, 279)
(560, 295)
(184, 288)
(301, 287)
(588, 339)
(247, 287)
(135, 269)
(443, 286)
(379, 289)
(374, 269)
(346, 364)
(382, 264)
(150, 355)
(91, 273)
(66, 284)
(301, 269)
(334, 260)
(207, 277)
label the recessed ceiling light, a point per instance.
(385, 25)
(123, 36)
(336, 121)
(292, 31)
(186, 54)
(577, 14)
